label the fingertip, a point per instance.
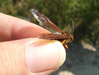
(43, 55)
(62, 53)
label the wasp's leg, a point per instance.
(63, 41)
(65, 45)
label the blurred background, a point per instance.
(83, 52)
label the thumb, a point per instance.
(31, 55)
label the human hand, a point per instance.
(22, 53)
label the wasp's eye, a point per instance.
(71, 37)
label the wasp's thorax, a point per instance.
(69, 37)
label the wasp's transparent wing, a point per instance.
(45, 22)
(53, 36)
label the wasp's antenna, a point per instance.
(72, 27)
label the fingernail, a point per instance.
(42, 55)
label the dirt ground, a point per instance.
(82, 59)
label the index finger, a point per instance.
(14, 28)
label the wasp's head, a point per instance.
(71, 38)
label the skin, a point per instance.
(22, 53)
